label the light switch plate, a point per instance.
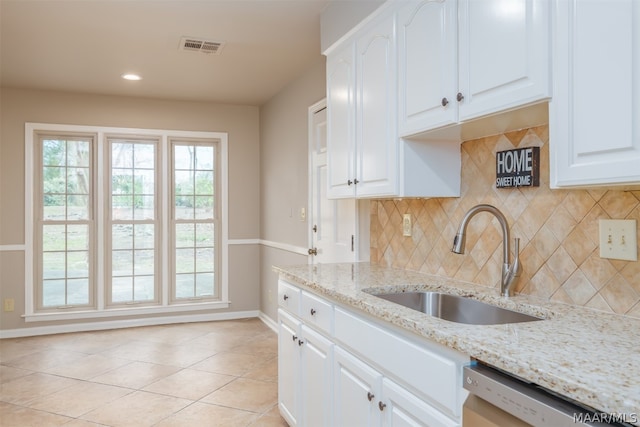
(618, 239)
(406, 225)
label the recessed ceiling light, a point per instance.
(130, 76)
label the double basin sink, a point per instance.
(457, 308)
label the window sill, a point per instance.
(126, 311)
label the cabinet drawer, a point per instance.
(289, 297)
(434, 376)
(317, 312)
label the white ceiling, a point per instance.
(86, 45)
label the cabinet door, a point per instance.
(341, 122)
(356, 391)
(317, 360)
(376, 137)
(594, 130)
(403, 409)
(504, 54)
(428, 67)
(288, 367)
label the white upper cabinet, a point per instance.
(504, 55)
(341, 130)
(464, 59)
(376, 94)
(594, 117)
(428, 71)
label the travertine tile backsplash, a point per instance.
(558, 231)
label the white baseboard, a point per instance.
(268, 321)
(130, 323)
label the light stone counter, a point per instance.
(590, 356)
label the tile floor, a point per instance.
(195, 374)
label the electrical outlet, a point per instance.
(303, 214)
(9, 304)
(618, 239)
(406, 225)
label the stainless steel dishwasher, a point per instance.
(497, 399)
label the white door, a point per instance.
(288, 367)
(333, 222)
(317, 361)
(403, 409)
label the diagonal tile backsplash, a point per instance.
(558, 231)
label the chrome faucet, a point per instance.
(509, 271)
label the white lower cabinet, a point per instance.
(305, 360)
(338, 368)
(364, 397)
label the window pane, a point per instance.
(54, 208)
(184, 207)
(204, 207)
(144, 207)
(184, 182)
(53, 238)
(78, 153)
(204, 235)
(204, 158)
(77, 237)
(185, 286)
(204, 284)
(53, 265)
(185, 260)
(204, 183)
(122, 236)
(144, 156)
(144, 288)
(53, 152)
(145, 182)
(144, 236)
(122, 208)
(184, 236)
(77, 208)
(54, 180)
(121, 181)
(121, 155)
(122, 289)
(78, 264)
(122, 263)
(78, 291)
(144, 262)
(78, 181)
(53, 293)
(204, 260)
(183, 157)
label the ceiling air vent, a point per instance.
(194, 44)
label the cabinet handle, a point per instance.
(370, 396)
(381, 406)
(355, 181)
(349, 182)
(459, 96)
(294, 338)
(286, 297)
(313, 311)
(444, 102)
(300, 342)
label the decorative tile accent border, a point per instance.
(558, 231)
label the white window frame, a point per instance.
(102, 310)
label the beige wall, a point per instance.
(284, 175)
(558, 231)
(240, 122)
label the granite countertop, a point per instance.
(590, 356)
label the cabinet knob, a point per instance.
(370, 396)
(459, 96)
(444, 102)
(313, 311)
(381, 405)
(349, 182)
(355, 181)
(294, 338)
(286, 297)
(300, 342)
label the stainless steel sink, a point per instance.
(457, 309)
